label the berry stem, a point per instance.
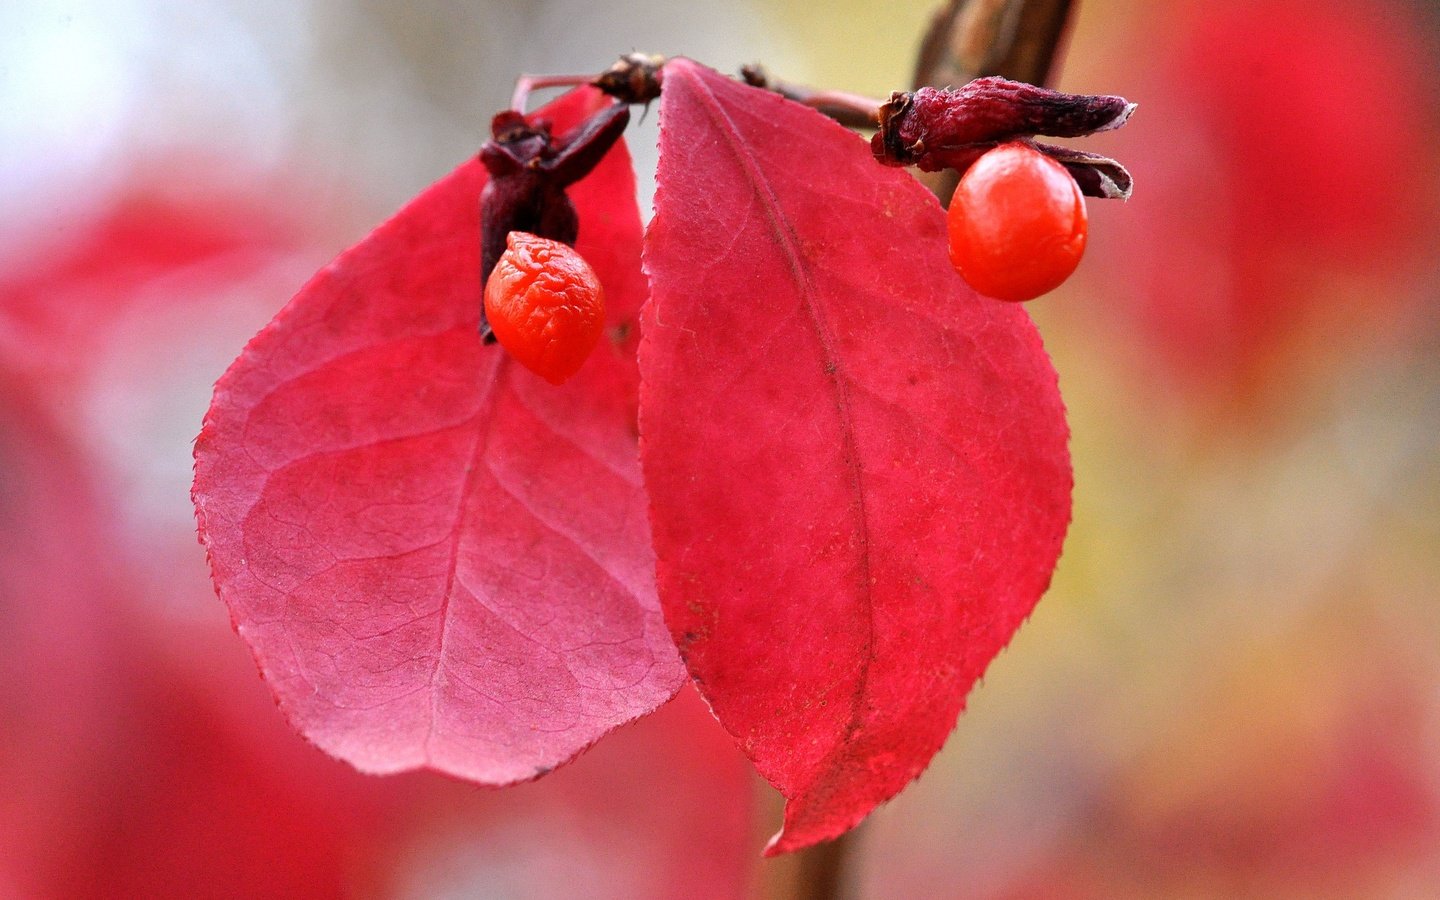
(850, 110)
(526, 84)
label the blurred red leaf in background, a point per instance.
(56, 641)
(1302, 770)
(1284, 195)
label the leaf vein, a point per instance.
(787, 241)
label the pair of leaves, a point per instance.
(855, 468)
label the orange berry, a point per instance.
(545, 305)
(1017, 224)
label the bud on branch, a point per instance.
(937, 129)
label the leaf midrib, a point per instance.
(786, 239)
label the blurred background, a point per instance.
(1233, 688)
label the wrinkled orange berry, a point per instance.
(545, 305)
(1017, 224)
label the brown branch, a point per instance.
(822, 872)
(1016, 39)
(1039, 39)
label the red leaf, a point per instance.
(438, 559)
(857, 468)
(58, 584)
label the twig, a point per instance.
(525, 84)
(825, 870)
(850, 110)
(1016, 39)
(822, 872)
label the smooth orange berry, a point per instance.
(545, 305)
(1017, 224)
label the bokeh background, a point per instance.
(1233, 688)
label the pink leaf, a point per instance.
(438, 559)
(60, 578)
(857, 468)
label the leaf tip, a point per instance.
(808, 823)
